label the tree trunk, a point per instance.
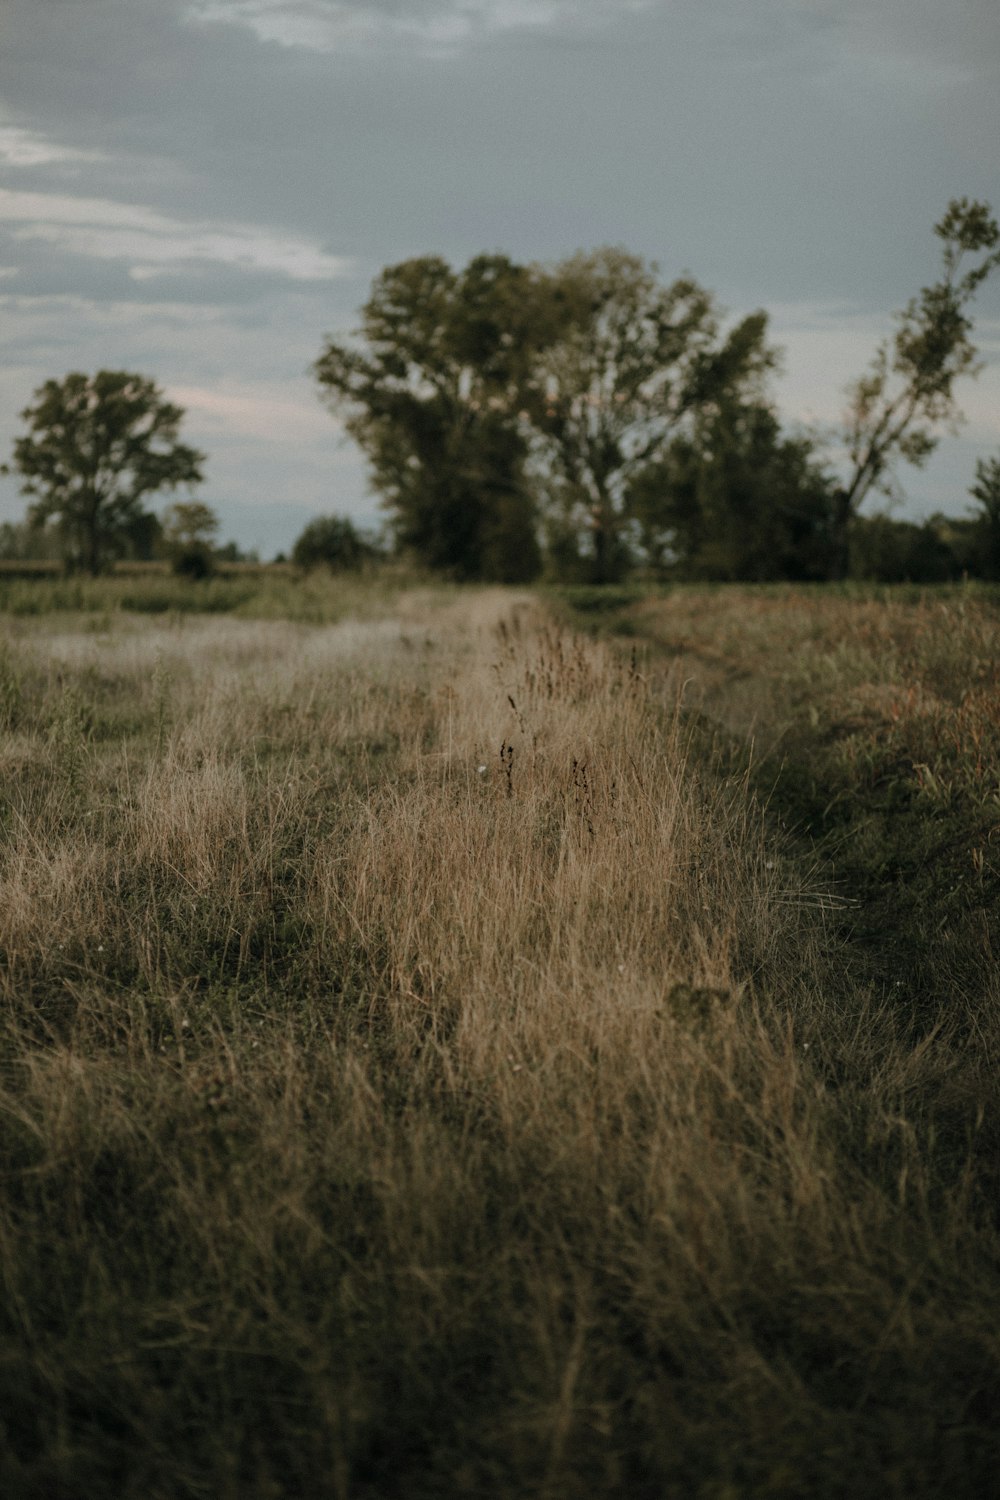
(840, 556)
(606, 557)
(93, 542)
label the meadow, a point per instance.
(464, 1042)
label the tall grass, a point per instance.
(876, 730)
(419, 1080)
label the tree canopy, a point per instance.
(189, 531)
(333, 542)
(488, 398)
(897, 410)
(634, 363)
(734, 498)
(614, 412)
(431, 391)
(96, 447)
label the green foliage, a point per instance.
(187, 523)
(189, 530)
(333, 542)
(889, 551)
(22, 542)
(96, 447)
(735, 500)
(432, 393)
(587, 601)
(265, 593)
(636, 361)
(897, 410)
(986, 491)
(194, 560)
(490, 398)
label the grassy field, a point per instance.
(275, 592)
(447, 1053)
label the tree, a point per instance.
(493, 397)
(96, 447)
(635, 361)
(189, 522)
(189, 531)
(431, 389)
(333, 542)
(986, 491)
(21, 542)
(886, 550)
(897, 409)
(733, 498)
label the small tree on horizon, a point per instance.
(333, 542)
(189, 531)
(97, 446)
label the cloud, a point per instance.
(951, 43)
(26, 148)
(955, 40)
(264, 411)
(153, 244)
(951, 39)
(435, 26)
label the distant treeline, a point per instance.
(577, 422)
(941, 549)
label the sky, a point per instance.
(203, 190)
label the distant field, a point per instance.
(444, 1052)
(274, 591)
(52, 568)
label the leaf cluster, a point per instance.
(897, 408)
(96, 446)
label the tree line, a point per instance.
(580, 419)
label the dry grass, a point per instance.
(876, 730)
(418, 1080)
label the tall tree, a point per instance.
(189, 531)
(431, 389)
(97, 445)
(898, 409)
(636, 359)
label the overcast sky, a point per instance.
(199, 190)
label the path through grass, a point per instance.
(422, 1078)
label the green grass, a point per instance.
(248, 593)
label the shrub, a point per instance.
(333, 542)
